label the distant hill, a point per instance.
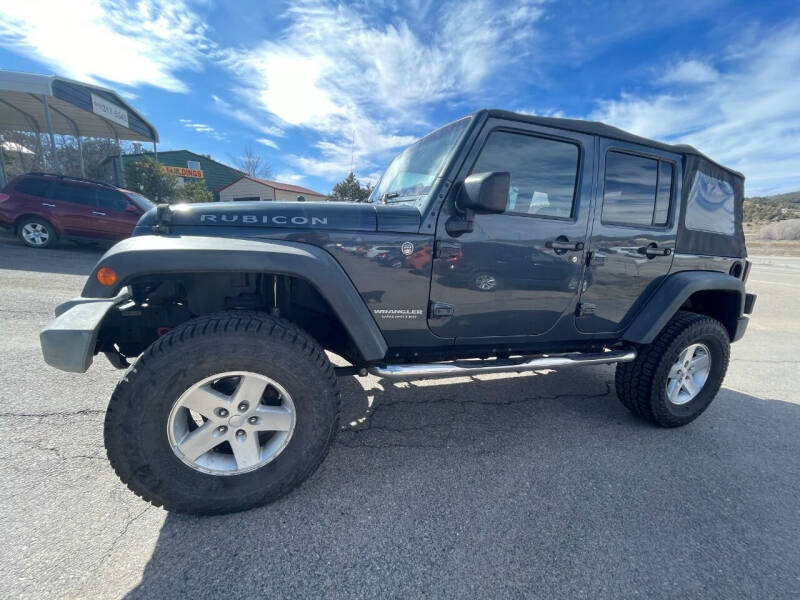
(787, 197)
(769, 209)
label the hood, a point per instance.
(289, 215)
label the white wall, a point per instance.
(245, 188)
(284, 196)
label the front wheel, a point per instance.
(222, 414)
(674, 379)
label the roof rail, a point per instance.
(74, 178)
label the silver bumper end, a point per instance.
(68, 342)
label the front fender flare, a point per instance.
(153, 255)
(671, 295)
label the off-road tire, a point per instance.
(136, 420)
(641, 384)
(52, 234)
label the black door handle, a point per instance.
(653, 251)
(561, 243)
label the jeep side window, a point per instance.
(543, 172)
(637, 190)
(710, 205)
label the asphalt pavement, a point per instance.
(537, 485)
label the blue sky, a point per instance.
(315, 86)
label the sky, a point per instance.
(318, 87)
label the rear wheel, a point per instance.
(224, 413)
(674, 379)
(36, 233)
(485, 282)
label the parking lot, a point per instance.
(491, 486)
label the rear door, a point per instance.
(116, 219)
(633, 233)
(74, 207)
(517, 272)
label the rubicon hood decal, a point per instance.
(266, 219)
(292, 215)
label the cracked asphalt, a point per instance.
(540, 485)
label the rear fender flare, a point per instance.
(672, 294)
(156, 255)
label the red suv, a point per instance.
(43, 208)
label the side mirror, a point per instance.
(485, 192)
(480, 193)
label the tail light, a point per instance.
(746, 274)
(4, 197)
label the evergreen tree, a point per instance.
(350, 190)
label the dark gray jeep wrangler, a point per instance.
(500, 242)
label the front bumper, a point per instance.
(68, 342)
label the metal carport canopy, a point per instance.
(55, 105)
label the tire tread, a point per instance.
(116, 437)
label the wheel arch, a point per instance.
(206, 265)
(33, 215)
(710, 293)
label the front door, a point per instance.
(116, 216)
(633, 234)
(517, 272)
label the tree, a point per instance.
(350, 190)
(193, 191)
(147, 176)
(252, 164)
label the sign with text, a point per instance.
(109, 110)
(184, 172)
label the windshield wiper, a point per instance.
(388, 196)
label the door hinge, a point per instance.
(439, 310)
(447, 249)
(584, 308)
(595, 259)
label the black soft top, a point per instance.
(689, 240)
(601, 129)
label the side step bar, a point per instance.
(524, 363)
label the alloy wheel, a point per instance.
(231, 423)
(688, 374)
(35, 234)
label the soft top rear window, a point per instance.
(710, 205)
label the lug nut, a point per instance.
(243, 406)
(240, 433)
(252, 420)
(222, 429)
(222, 412)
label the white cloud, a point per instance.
(364, 80)
(289, 178)
(267, 142)
(147, 42)
(747, 117)
(203, 128)
(690, 71)
(247, 117)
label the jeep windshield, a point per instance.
(410, 176)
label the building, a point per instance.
(253, 188)
(189, 166)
